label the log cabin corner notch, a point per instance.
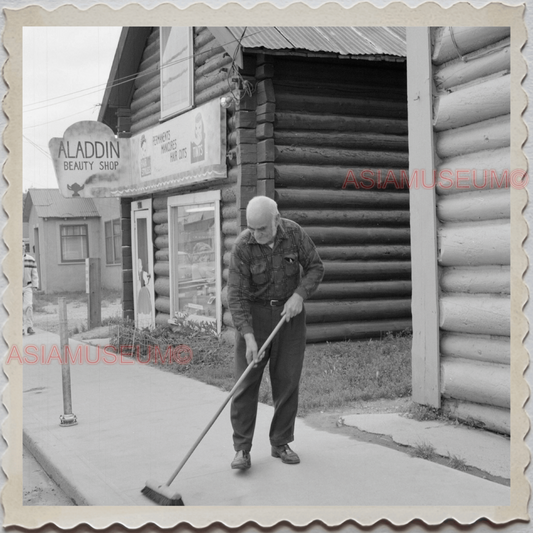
(324, 132)
(461, 253)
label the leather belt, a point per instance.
(271, 303)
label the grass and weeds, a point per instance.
(456, 462)
(423, 450)
(334, 373)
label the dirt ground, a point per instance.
(47, 317)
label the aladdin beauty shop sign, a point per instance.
(90, 161)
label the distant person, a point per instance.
(30, 282)
(265, 284)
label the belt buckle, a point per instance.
(273, 302)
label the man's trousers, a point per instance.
(285, 355)
(27, 308)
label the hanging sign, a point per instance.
(90, 161)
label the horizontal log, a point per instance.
(228, 195)
(482, 279)
(354, 140)
(340, 331)
(201, 83)
(473, 381)
(337, 177)
(161, 241)
(229, 227)
(215, 63)
(162, 255)
(321, 122)
(229, 241)
(491, 418)
(148, 83)
(161, 229)
(487, 348)
(343, 310)
(160, 203)
(476, 315)
(206, 52)
(365, 107)
(474, 206)
(310, 155)
(225, 274)
(343, 290)
(489, 169)
(229, 211)
(202, 38)
(474, 244)
(162, 268)
(485, 135)
(144, 124)
(224, 297)
(146, 99)
(161, 319)
(242, 119)
(162, 286)
(309, 198)
(152, 109)
(472, 104)
(365, 253)
(377, 73)
(460, 72)
(242, 136)
(347, 235)
(353, 87)
(452, 41)
(347, 217)
(160, 217)
(366, 270)
(212, 92)
(162, 304)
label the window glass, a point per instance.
(74, 243)
(196, 260)
(176, 70)
(113, 242)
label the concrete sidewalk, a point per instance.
(136, 422)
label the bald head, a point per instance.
(263, 218)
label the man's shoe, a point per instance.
(286, 455)
(30, 331)
(242, 460)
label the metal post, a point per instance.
(94, 302)
(67, 419)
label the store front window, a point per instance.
(194, 235)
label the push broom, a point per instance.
(162, 494)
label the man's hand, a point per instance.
(251, 348)
(293, 306)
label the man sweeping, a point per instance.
(266, 283)
(30, 281)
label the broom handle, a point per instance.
(228, 398)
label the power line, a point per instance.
(62, 118)
(120, 81)
(35, 145)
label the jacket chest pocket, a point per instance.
(291, 264)
(259, 272)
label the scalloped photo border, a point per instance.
(395, 14)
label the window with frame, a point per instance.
(113, 242)
(74, 243)
(177, 70)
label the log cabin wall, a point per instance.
(471, 71)
(322, 126)
(211, 65)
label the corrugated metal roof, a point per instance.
(344, 40)
(49, 203)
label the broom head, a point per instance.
(161, 494)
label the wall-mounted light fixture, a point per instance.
(226, 101)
